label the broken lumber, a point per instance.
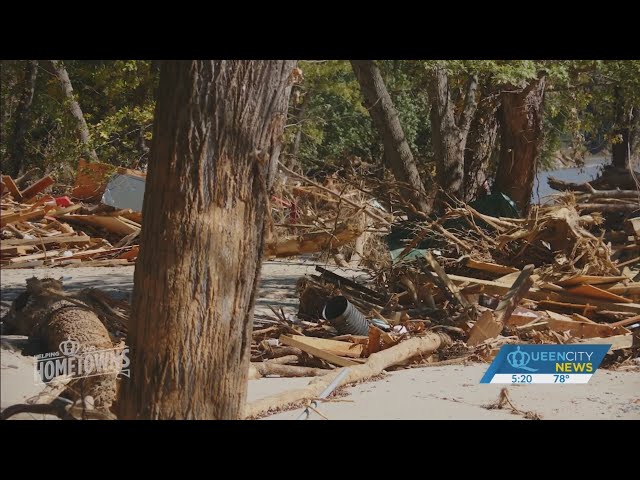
(375, 365)
(453, 289)
(316, 352)
(491, 323)
(36, 187)
(344, 349)
(595, 292)
(489, 267)
(562, 323)
(109, 223)
(312, 242)
(12, 187)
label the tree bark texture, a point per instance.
(521, 137)
(621, 149)
(385, 119)
(16, 165)
(217, 125)
(57, 68)
(449, 131)
(480, 147)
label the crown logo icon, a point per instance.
(520, 359)
(69, 347)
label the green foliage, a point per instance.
(116, 97)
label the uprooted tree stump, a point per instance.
(45, 311)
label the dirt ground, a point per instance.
(448, 392)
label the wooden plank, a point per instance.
(617, 342)
(491, 323)
(485, 327)
(589, 279)
(111, 224)
(99, 263)
(489, 267)
(91, 179)
(628, 289)
(626, 322)
(343, 349)
(21, 217)
(562, 323)
(60, 239)
(316, 352)
(131, 254)
(595, 292)
(36, 256)
(12, 187)
(16, 250)
(447, 281)
(498, 288)
(37, 187)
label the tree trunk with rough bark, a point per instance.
(449, 131)
(621, 149)
(521, 137)
(480, 147)
(16, 165)
(385, 119)
(217, 126)
(57, 68)
(299, 116)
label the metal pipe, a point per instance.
(325, 393)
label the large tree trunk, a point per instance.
(480, 147)
(385, 118)
(57, 68)
(449, 131)
(217, 126)
(520, 142)
(16, 165)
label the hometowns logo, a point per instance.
(574, 363)
(77, 361)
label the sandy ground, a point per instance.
(448, 392)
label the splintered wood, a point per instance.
(37, 230)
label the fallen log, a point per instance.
(375, 365)
(312, 242)
(273, 368)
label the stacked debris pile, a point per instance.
(42, 230)
(99, 220)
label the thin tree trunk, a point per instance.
(621, 149)
(520, 141)
(16, 165)
(480, 147)
(449, 134)
(385, 118)
(57, 68)
(299, 116)
(217, 126)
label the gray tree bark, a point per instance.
(385, 118)
(21, 125)
(521, 137)
(217, 127)
(449, 131)
(57, 68)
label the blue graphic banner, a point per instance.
(560, 364)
